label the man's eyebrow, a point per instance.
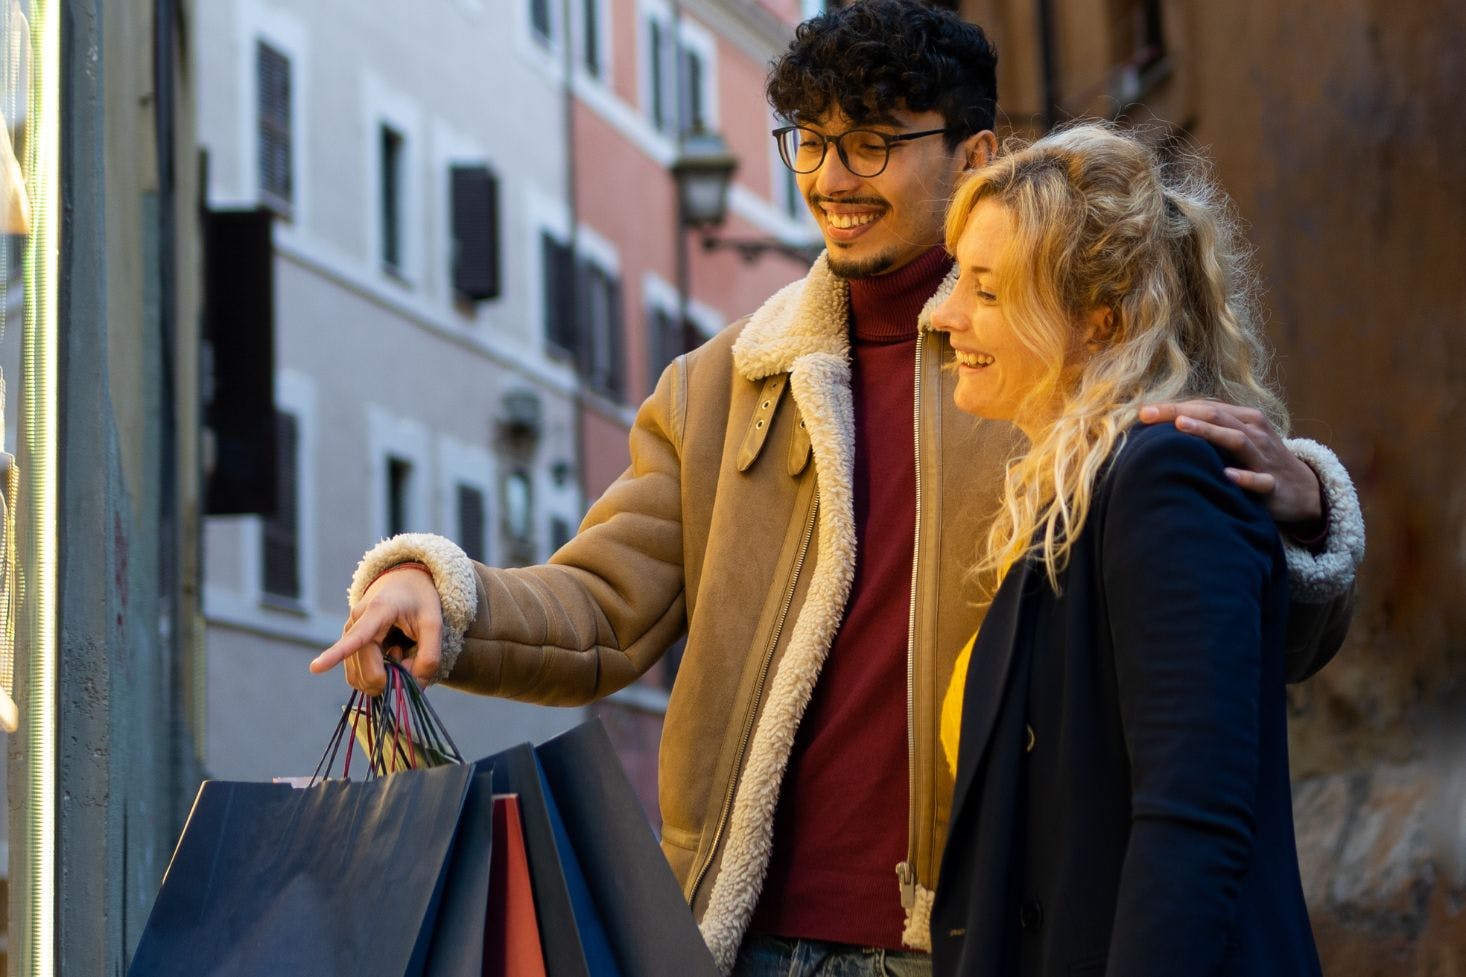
(864, 122)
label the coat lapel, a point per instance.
(988, 678)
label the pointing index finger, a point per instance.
(357, 636)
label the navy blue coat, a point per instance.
(1122, 802)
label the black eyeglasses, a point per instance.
(864, 152)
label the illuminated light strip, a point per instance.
(40, 380)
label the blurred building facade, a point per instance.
(381, 182)
(648, 78)
(1337, 131)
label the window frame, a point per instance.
(662, 102)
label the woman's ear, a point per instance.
(1099, 328)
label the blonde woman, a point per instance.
(1122, 797)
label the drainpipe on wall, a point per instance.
(1047, 64)
(577, 401)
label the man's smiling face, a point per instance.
(877, 224)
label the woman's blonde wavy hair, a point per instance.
(1103, 227)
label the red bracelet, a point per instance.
(406, 564)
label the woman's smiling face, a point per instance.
(996, 371)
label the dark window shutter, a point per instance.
(591, 10)
(399, 482)
(239, 335)
(559, 278)
(560, 532)
(272, 78)
(659, 332)
(692, 92)
(391, 176)
(539, 19)
(615, 340)
(471, 521)
(658, 79)
(475, 232)
(281, 531)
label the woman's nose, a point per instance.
(945, 318)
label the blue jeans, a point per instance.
(770, 956)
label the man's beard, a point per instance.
(863, 268)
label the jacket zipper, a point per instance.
(906, 871)
(748, 722)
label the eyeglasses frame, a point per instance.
(839, 140)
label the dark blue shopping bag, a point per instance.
(342, 878)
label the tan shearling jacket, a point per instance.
(734, 524)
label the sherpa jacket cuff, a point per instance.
(1315, 577)
(452, 573)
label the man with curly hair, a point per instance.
(802, 502)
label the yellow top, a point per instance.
(951, 726)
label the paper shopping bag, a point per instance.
(572, 936)
(652, 929)
(268, 879)
(459, 932)
(513, 938)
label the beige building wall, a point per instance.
(375, 361)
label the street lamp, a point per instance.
(703, 170)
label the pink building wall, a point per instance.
(626, 197)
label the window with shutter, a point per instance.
(391, 198)
(272, 71)
(399, 488)
(559, 298)
(280, 530)
(472, 520)
(540, 19)
(656, 66)
(475, 232)
(600, 350)
(693, 101)
(591, 43)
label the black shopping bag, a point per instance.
(342, 878)
(651, 927)
(457, 948)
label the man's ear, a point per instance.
(979, 149)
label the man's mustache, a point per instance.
(820, 198)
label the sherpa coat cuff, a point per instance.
(1318, 577)
(452, 573)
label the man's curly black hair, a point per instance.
(875, 57)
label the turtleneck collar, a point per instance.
(884, 308)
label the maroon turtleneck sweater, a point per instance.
(841, 826)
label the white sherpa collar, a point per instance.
(924, 320)
(802, 318)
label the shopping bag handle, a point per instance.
(402, 731)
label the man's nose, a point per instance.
(834, 176)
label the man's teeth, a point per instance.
(846, 221)
(974, 359)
